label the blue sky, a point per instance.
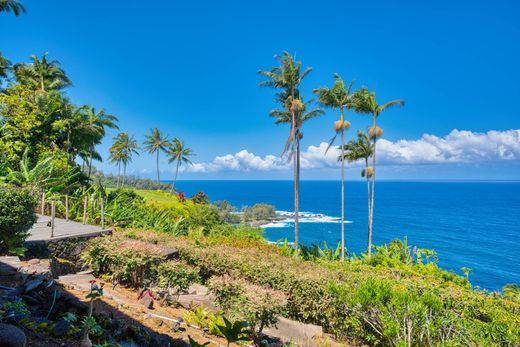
(190, 69)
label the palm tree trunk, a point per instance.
(90, 161)
(158, 179)
(296, 195)
(176, 173)
(342, 194)
(118, 172)
(124, 175)
(373, 185)
(369, 236)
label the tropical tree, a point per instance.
(93, 125)
(156, 142)
(115, 157)
(14, 6)
(122, 150)
(178, 152)
(364, 101)
(41, 75)
(4, 67)
(287, 78)
(337, 98)
(362, 148)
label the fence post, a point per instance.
(85, 205)
(43, 204)
(53, 215)
(102, 213)
(67, 207)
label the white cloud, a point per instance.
(457, 147)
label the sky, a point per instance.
(190, 68)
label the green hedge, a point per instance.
(17, 206)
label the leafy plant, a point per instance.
(17, 206)
(237, 331)
(194, 343)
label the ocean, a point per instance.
(473, 224)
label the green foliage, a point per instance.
(512, 292)
(235, 332)
(258, 213)
(174, 274)
(17, 206)
(194, 343)
(377, 304)
(245, 301)
(204, 319)
(200, 198)
(226, 212)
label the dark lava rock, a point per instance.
(11, 336)
(61, 328)
(146, 302)
(32, 284)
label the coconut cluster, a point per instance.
(340, 125)
(368, 172)
(375, 132)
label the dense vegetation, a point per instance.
(396, 297)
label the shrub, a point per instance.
(242, 300)
(17, 215)
(129, 262)
(200, 198)
(176, 275)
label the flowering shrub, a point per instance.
(129, 262)
(176, 275)
(242, 300)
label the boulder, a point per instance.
(300, 333)
(12, 336)
(61, 328)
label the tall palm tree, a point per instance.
(178, 152)
(287, 78)
(15, 6)
(121, 152)
(337, 97)
(364, 101)
(115, 156)
(362, 148)
(155, 143)
(42, 75)
(94, 126)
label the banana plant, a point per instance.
(238, 331)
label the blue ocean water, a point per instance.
(471, 224)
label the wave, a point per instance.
(305, 217)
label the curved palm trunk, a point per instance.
(342, 194)
(90, 161)
(158, 179)
(373, 187)
(176, 173)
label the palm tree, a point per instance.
(178, 152)
(364, 101)
(337, 97)
(94, 126)
(115, 156)
(122, 150)
(362, 148)
(287, 77)
(154, 143)
(12, 5)
(4, 67)
(42, 75)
